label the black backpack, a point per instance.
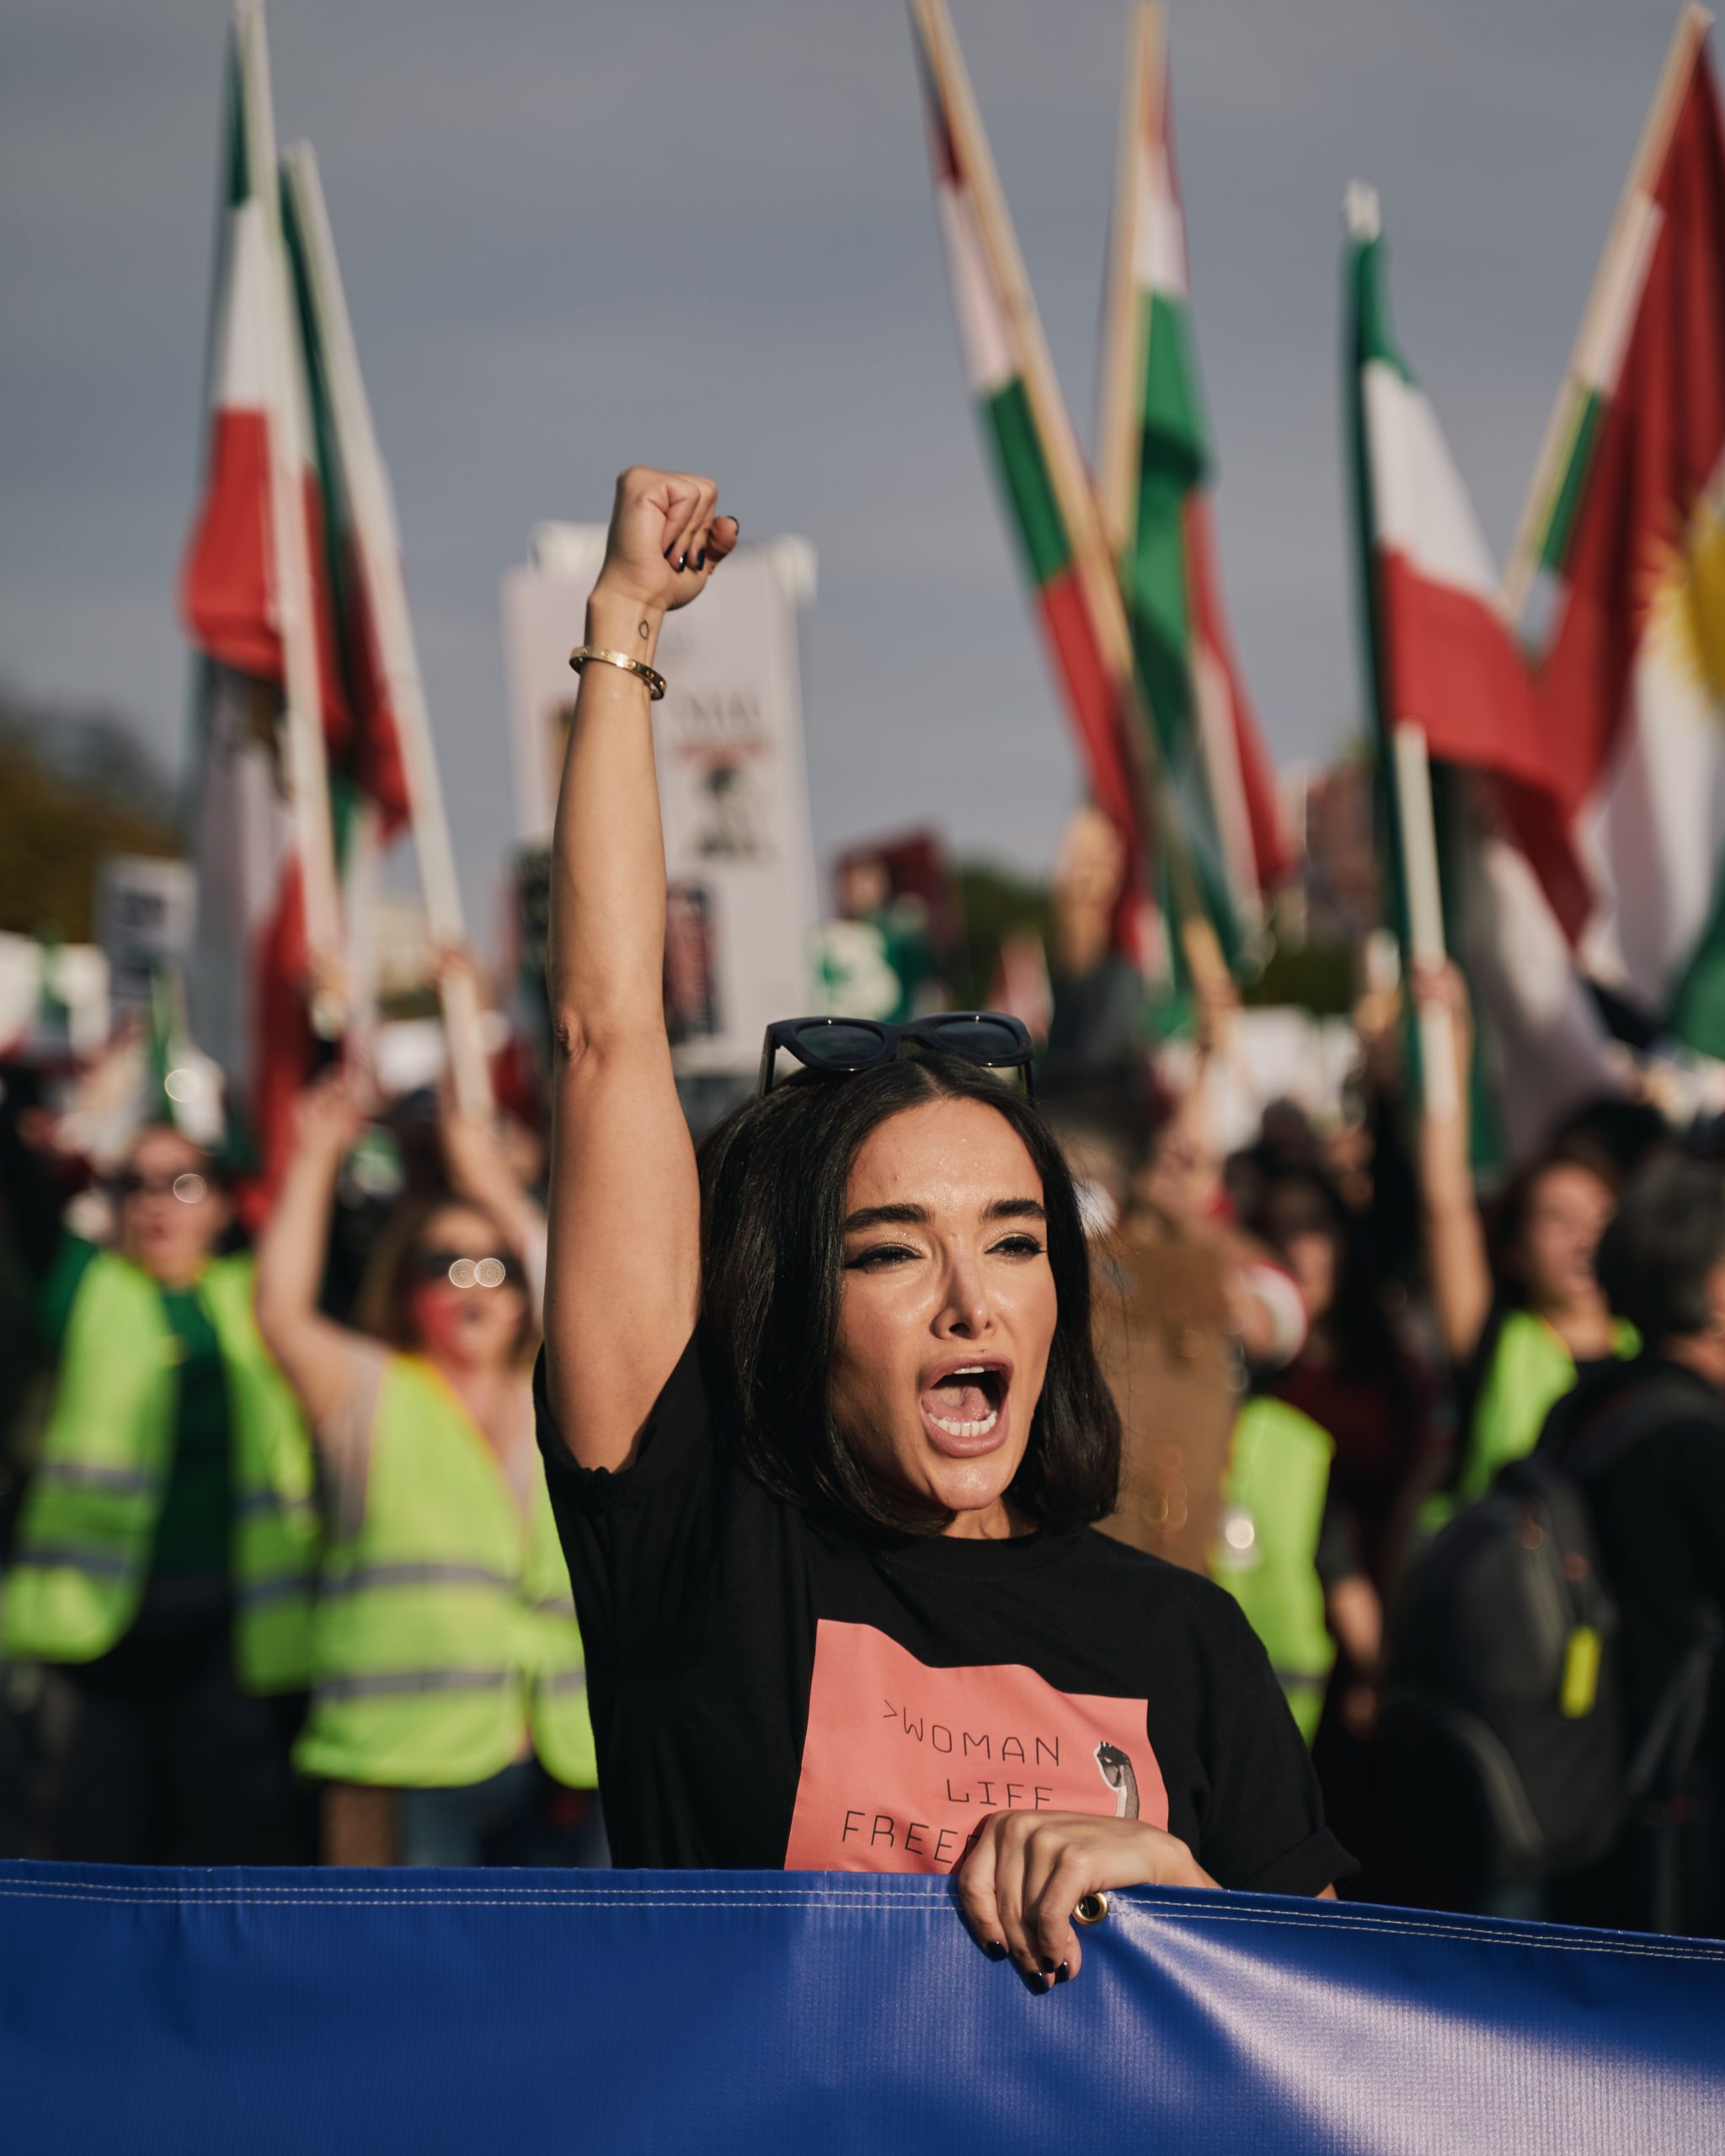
(1504, 1725)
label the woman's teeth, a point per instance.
(968, 1397)
(967, 1429)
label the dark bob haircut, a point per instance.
(1657, 1255)
(773, 1178)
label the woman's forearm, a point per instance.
(292, 1250)
(622, 1283)
(1453, 1234)
(607, 858)
(1460, 1274)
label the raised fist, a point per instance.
(664, 542)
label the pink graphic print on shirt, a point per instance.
(902, 1763)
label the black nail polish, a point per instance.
(682, 563)
(1063, 1975)
(669, 551)
(701, 559)
(1048, 1982)
(1047, 1968)
(995, 1949)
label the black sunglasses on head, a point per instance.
(839, 1048)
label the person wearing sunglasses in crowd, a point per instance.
(169, 1540)
(825, 1432)
(447, 1675)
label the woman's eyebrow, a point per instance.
(880, 1216)
(919, 1216)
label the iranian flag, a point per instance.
(1031, 446)
(1620, 571)
(266, 954)
(386, 780)
(1460, 751)
(1155, 469)
(356, 553)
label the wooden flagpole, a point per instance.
(1117, 457)
(306, 770)
(1074, 490)
(1624, 246)
(379, 544)
(1422, 890)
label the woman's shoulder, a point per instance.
(1173, 1615)
(682, 1434)
(1142, 1580)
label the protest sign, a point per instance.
(728, 742)
(145, 910)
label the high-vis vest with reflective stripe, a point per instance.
(445, 1633)
(83, 1555)
(1273, 1505)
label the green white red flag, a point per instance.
(1156, 466)
(992, 334)
(356, 540)
(386, 777)
(1460, 748)
(266, 686)
(1621, 565)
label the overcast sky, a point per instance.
(699, 232)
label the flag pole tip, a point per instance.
(1359, 210)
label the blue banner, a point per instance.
(524, 2012)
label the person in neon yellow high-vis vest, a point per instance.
(169, 1540)
(1265, 1550)
(446, 1658)
(1515, 1293)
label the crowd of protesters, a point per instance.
(281, 1581)
(280, 1584)
(282, 1574)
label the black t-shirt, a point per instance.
(773, 1691)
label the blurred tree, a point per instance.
(74, 787)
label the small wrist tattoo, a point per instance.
(645, 631)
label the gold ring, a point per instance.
(1091, 1909)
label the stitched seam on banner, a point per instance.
(213, 1897)
(1371, 1930)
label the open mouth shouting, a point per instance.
(964, 1405)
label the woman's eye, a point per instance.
(1018, 1247)
(879, 1256)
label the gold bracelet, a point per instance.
(655, 682)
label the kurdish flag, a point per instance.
(1007, 365)
(1622, 555)
(265, 688)
(1459, 751)
(1155, 465)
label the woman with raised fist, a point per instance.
(825, 1434)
